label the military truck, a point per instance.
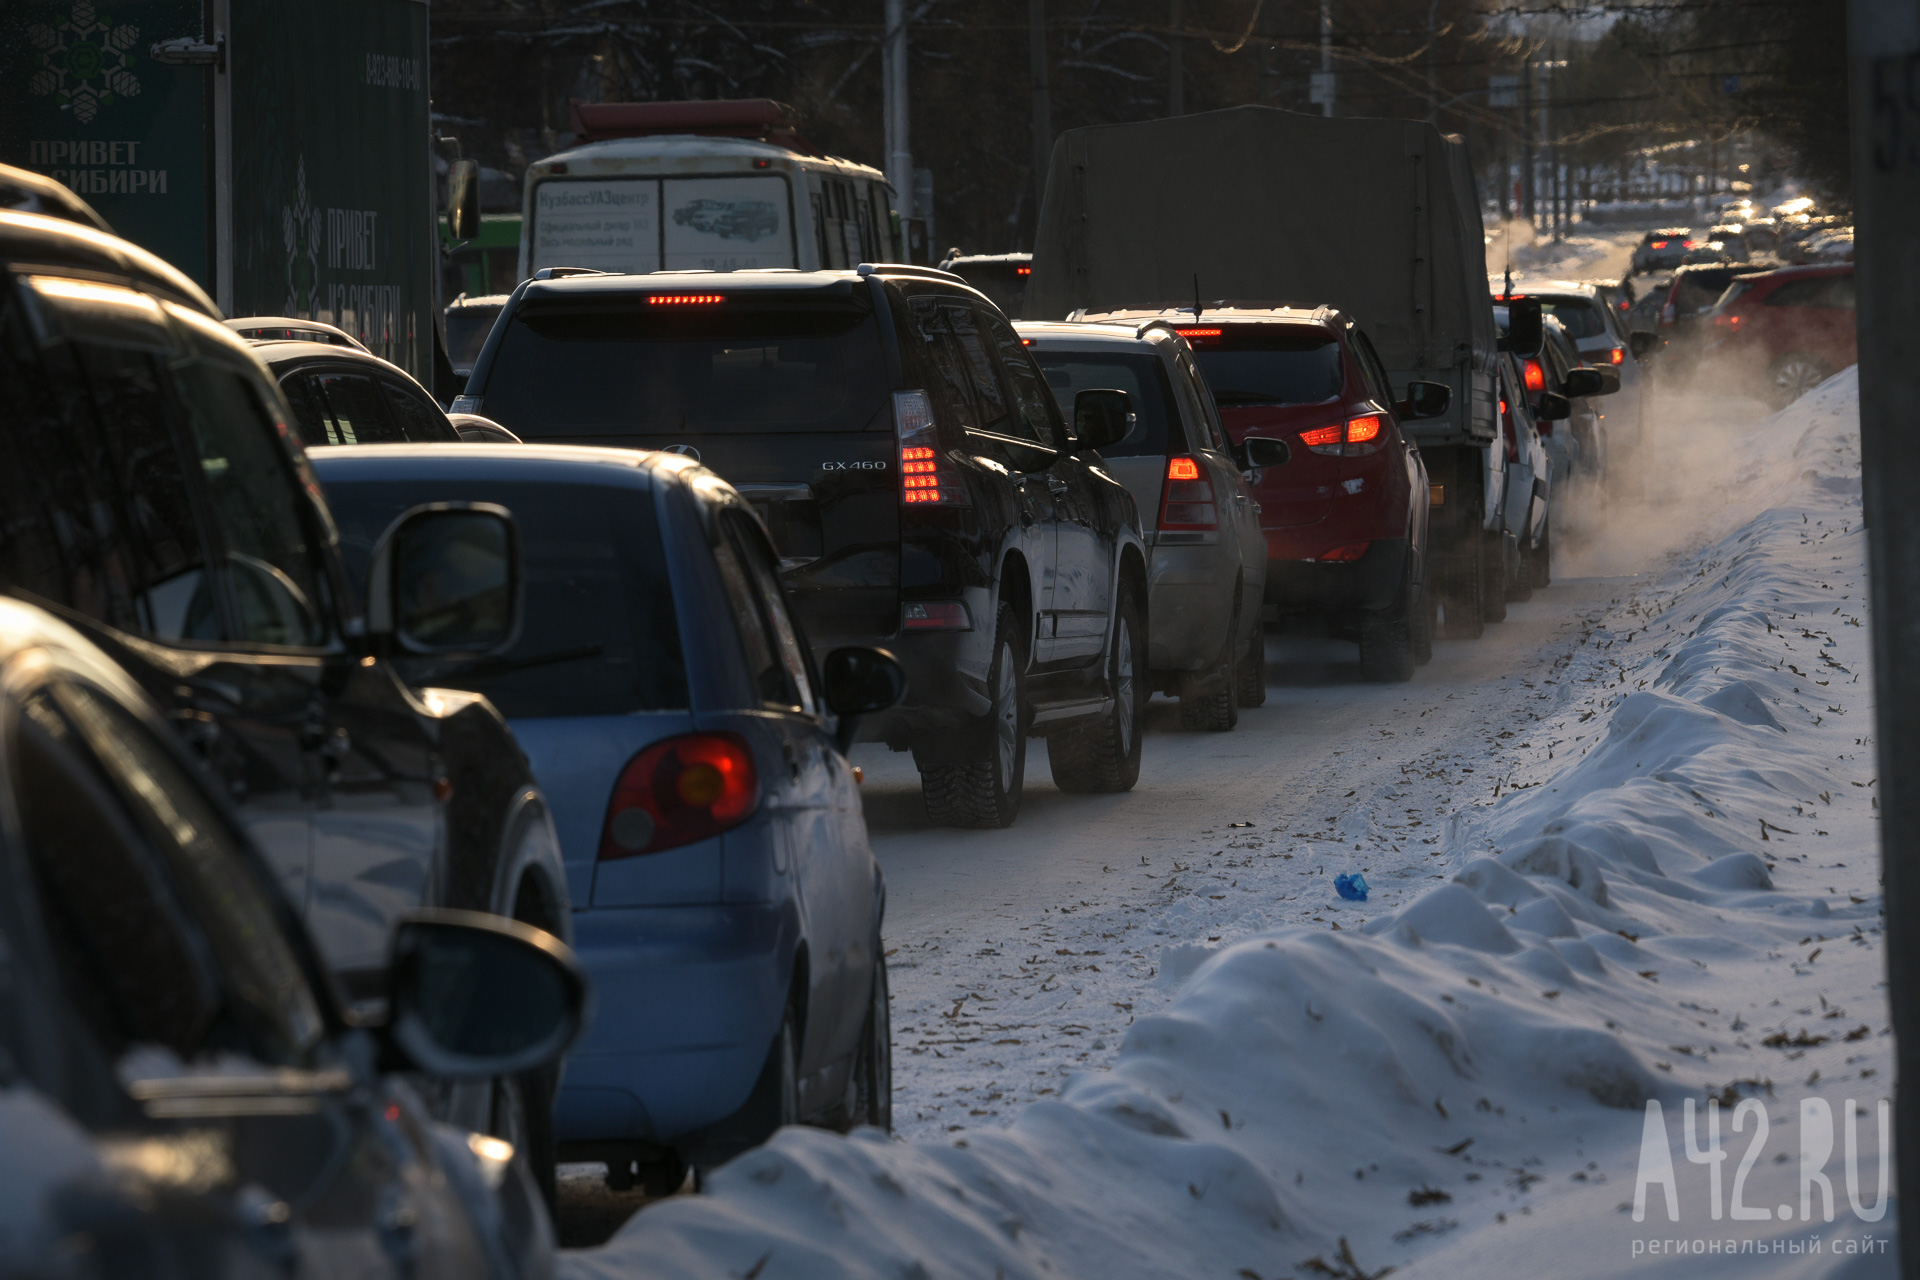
(1254, 206)
(278, 154)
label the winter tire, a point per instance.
(1424, 624)
(1250, 675)
(1386, 640)
(1539, 566)
(1493, 578)
(870, 1087)
(985, 791)
(1795, 374)
(1215, 712)
(1103, 754)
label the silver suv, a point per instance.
(1208, 566)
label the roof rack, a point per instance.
(908, 269)
(561, 273)
(293, 329)
(759, 119)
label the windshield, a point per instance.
(605, 370)
(1269, 364)
(467, 329)
(1580, 318)
(1142, 376)
(598, 635)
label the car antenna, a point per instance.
(1196, 295)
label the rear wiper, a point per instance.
(480, 668)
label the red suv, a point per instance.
(1793, 327)
(1345, 517)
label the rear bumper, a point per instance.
(1307, 586)
(1189, 607)
(946, 678)
(686, 1001)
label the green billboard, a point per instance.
(299, 128)
(82, 101)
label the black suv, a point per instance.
(153, 496)
(919, 481)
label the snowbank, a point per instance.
(1673, 898)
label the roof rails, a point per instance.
(560, 273)
(760, 119)
(907, 269)
(293, 329)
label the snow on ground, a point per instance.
(1648, 874)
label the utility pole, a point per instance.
(1527, 175)
(894, 81)
(1042, 109)
(1884, 59)
(1326, 57)
(1176, 70)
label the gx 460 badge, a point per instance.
(854, 466)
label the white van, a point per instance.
(687, 201)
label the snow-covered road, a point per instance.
(1623, 853)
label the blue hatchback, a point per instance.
(727, 905)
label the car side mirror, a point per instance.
(463, 199)
(1264, 451)
(860, 682)
(1427, 400)
(1582, 382)
(1101, 418)
(474, 996)
(1526, 329)
(1641, 342)
(1553, 408)
(445, 580)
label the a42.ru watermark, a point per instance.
(1816, 1149)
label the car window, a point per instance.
(775, 620)
(944, 365)
(1030, 420)
(1370, 367)
(1141, 374)
(419, 419)
(257, 503)
(309, 413)
(982, 370)
(1195, 404)
(355, 409)
(1815, 291)
(1248, 364)
(165, 932)
(96, 510)
(599, 635)
(771, 682)
(1579, 316)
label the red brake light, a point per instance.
(1344, 554)
(1660, 244)
(923, 477)
(1361, 430)
(1536, 375)
(1617, 356)
(1187, 501)
(1728, 320)
(935, 615)
(678, 791)
(1023, 271)
(686, 299)
(1199, 335)
(1320, 437)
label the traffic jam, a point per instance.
(426, 796)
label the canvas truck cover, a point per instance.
(1262, 206)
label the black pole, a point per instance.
(1884, 58)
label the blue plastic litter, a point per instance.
(1353, 888)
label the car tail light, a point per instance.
(1660, 244)
(935, 615)
(1691, 244)
(680, 790)
(1730, 321)
(1356, 436)
(1199, 337)
(1187, 501)
(686, 299)
(1344, 554)
(1023, 271)
(924, 478)
(1617, 355)
(1535, 373)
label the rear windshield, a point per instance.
(1269, 364)
(689, 370)
(597, 636)
(467, 329)
(1141, 375)
(1580, 318)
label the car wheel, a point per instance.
(985, 791)
(1459, 575)
(1250, 676)
(1424, 621)
(1493, 578)
(1103, 755)
(522, 1114)
(1795, 374)
(1539, 566)
(870, 1090)
(1386, 640)
(1215, 712)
